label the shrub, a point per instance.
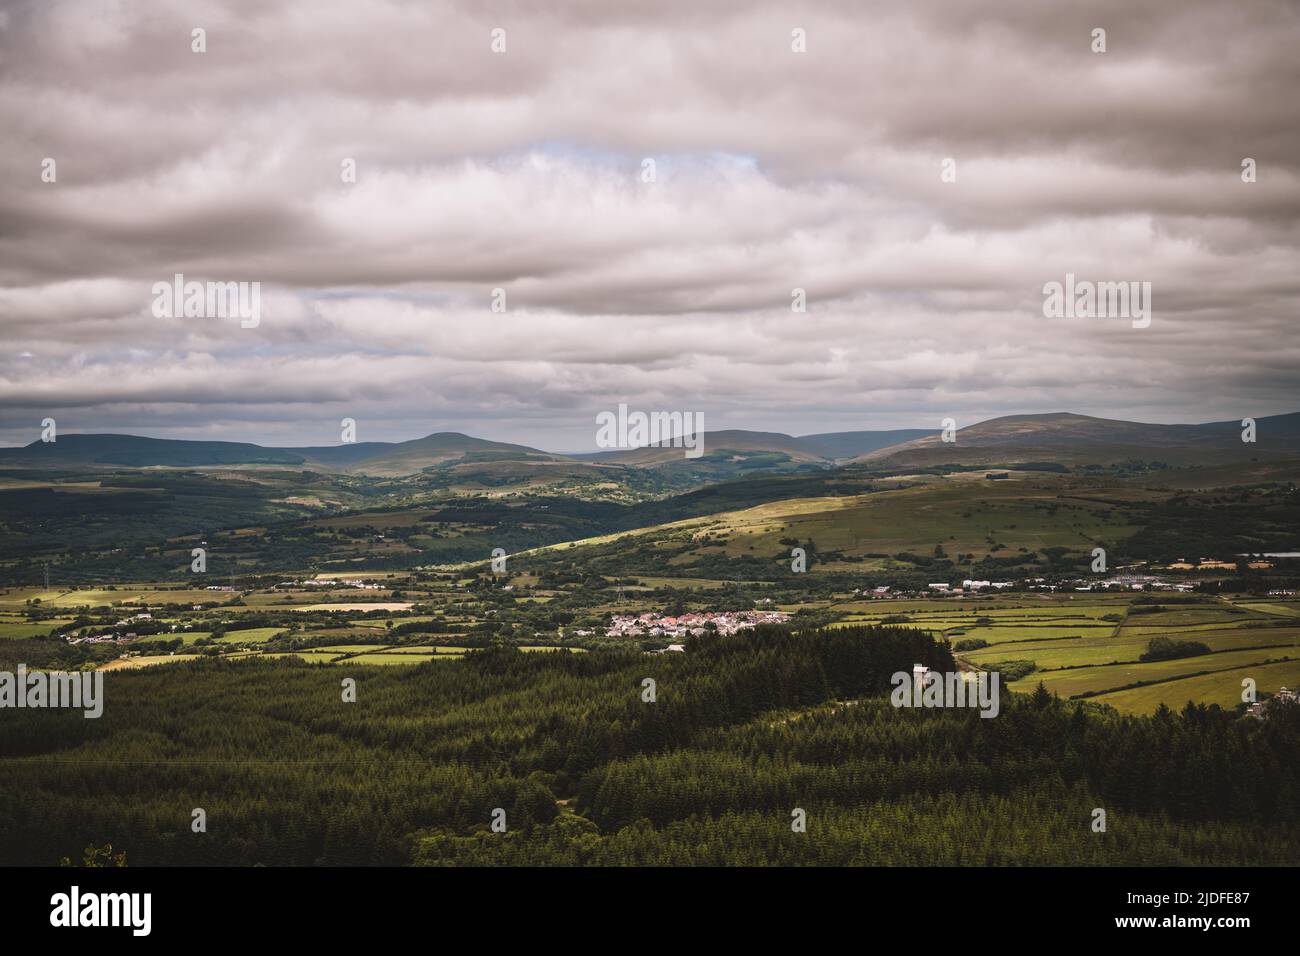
(1167, 649)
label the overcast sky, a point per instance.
(523, 170)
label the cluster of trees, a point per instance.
(1219, 524)
(741, 732)
(1168, 649)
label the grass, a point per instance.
(354, 606)
(252, 635)
(1277, 609)
(1077, 653)
(1139, 629)
(13, 630)
(1105, 650)
(961, 515)
(351, 648)
(1068, 683)
(426, 649)
(995, 634)
(379, 624)
(148, 661)
(1222, 688)
(398, 658)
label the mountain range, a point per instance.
(1016, 439)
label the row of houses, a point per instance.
(970, 585)
(682, 625)
(1213, 564)
(109, 638)
(330, 583)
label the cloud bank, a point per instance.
(525, 171)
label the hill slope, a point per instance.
(723, 443)
(1082, 439)
(409, 457)
(730, 453)
(136, 452)
(845, 445)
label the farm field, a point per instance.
(1000, 634)
(1075, 653)
(311, 657)
(1223, 689)
(107, 597)
(1074, 682)
(390, 606)
(1105, 649)
(251, 635)
(1285, 610)
(379, 623)
(369, 654)
(17, 628)
(1076, 645)
(126, 663)
(422, 649)
(381, 658)
(1138, 630)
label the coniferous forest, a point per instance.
(565, 753)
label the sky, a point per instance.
(794, 146)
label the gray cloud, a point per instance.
(775, 170)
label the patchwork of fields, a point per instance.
(1087, 645)
(1090, 646)
(341, 654)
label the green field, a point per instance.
(1285, 610)
(17, 629)
(251, 635)
(1069, 683)
(1104, 650)
(1075, 659)
(148, 660)
(1223, 689)
(398, 658)
(424, 649)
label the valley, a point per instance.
(497, 612)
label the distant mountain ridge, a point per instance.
(138, 452)
(844, 445)
(418, 454)
(1062, 436)
(1079, 439)
(379, 458)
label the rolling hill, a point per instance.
(1062, 438)
(841, 446)
(392, 459)
(1081, 440)
(716, 444)
(135, 452)
(824, 448)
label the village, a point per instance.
(682, 625)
